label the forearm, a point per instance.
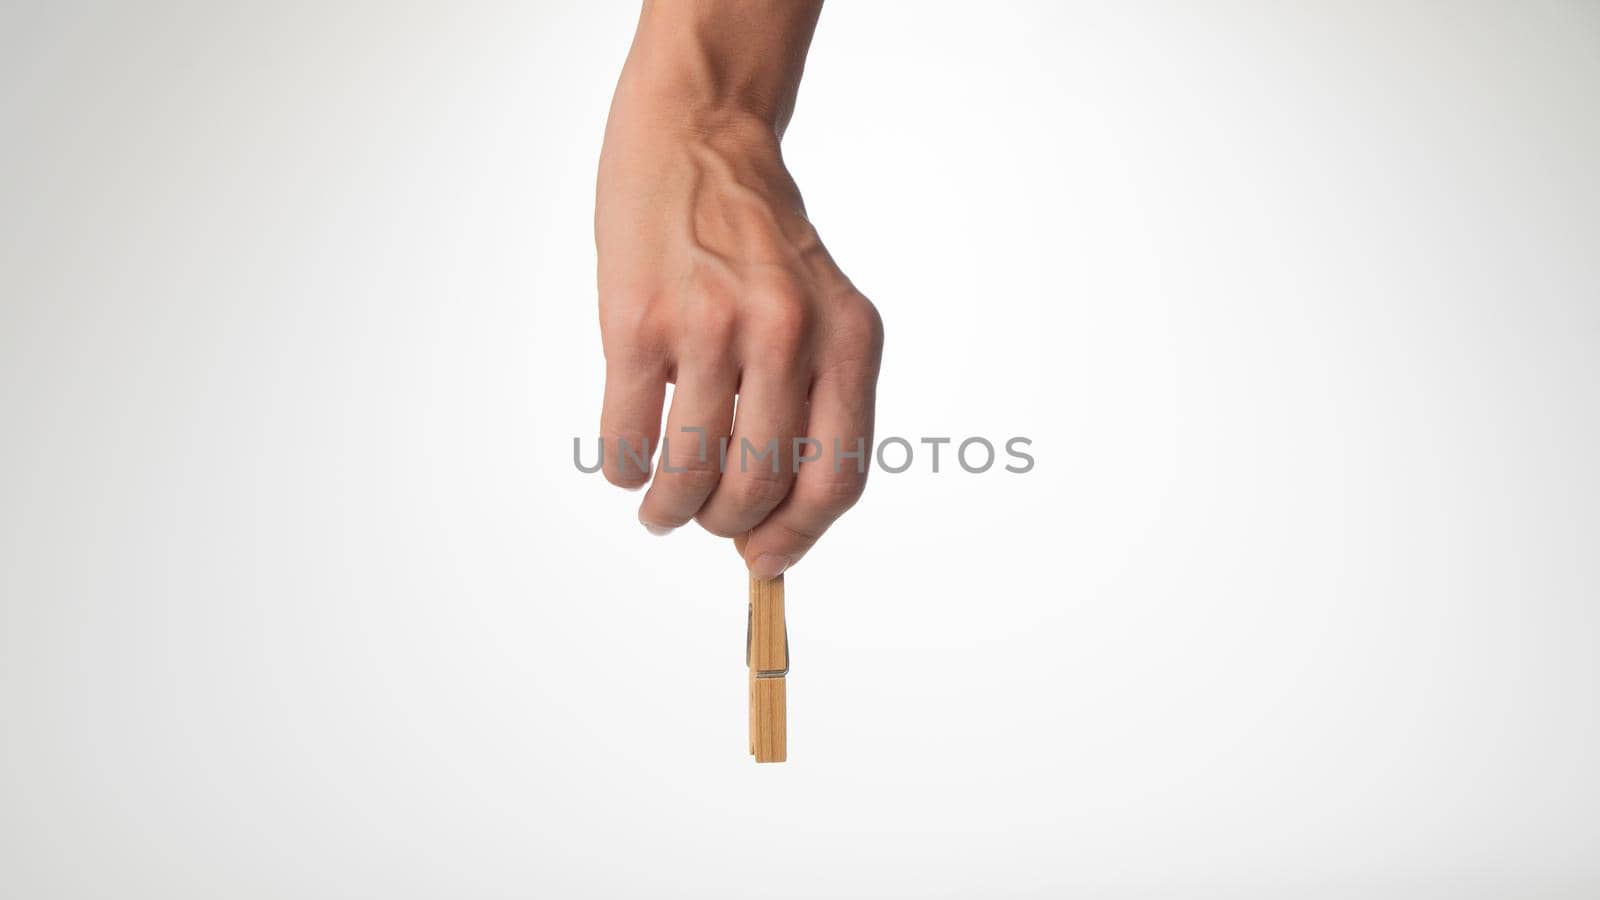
(704, 62)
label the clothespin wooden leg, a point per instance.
(767, 654)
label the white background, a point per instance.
(301, 596)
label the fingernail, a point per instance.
(657, 530)
(769, 565)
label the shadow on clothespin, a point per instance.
(767, 656)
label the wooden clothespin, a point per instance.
(767, 655)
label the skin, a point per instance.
(712, 279)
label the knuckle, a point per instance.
(760, 488)
(718, 527)
(858, 330)
(794, 535)
(711, 323)
(690, 462)
(627, 320)
(784, 319)
(871, 323)
(633, 345)
(693, 475)
(833, 494)
(715, 527)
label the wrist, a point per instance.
(716, 65)
(654, 104)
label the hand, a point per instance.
(712, 278)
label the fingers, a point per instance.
(805, 383)
(841, 419)
(701, 415)
(630, 420)
(759, 471)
